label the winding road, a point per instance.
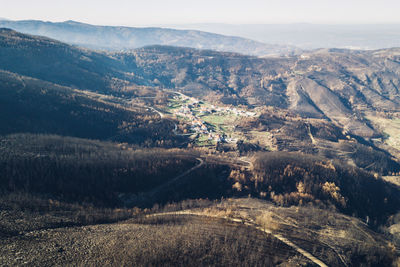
(173, 180)
(156, 111)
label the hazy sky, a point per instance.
(152, 12)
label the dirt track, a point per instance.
(252, 224)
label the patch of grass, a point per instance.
(390, 129)
(216, 119)
(174, 106)
(202, 140)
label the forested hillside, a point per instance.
(36, 106)
(56, 62)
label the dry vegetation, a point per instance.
(333, 238)
(167, 241)
(35, 106)
(75, 169)
(296, 179)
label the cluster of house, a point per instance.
(194, 103)
(199, 126)
(237, 112)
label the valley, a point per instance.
(264, 161)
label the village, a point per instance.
(200, 115)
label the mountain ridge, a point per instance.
(125, 38)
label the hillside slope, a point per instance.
(30, 105)
(336, 84)
(57, 62)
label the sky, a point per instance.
(163, 12)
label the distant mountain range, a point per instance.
(251, 39)
(126, 38)
(310, 36)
